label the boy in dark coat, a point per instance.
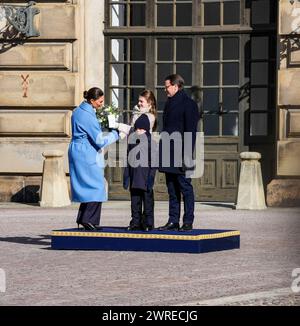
(139, 175)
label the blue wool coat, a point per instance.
(86, 160)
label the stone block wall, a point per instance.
(41, 82)
(285, 190)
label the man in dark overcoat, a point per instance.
(180, 116)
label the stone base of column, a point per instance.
(54, 192)
(251, 190)
(283, 193)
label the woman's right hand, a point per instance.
(122, 135)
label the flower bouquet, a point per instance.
(107, 110)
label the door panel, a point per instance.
(221, 167)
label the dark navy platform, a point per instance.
(119, 239)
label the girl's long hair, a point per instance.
(151, 100)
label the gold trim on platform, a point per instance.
(145, 236)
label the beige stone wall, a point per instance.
(35, 122)
(280, 192)
(94, 43)
(41, 81)
(288, 148)
(38, 56)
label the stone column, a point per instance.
(94, 44)
(54, 192)
(251, 190)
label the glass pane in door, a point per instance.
(184, 49)
(137, 74)
(231, 13)
(260, 12)
(230, 125)
(231, 48)
(211, 74)
(184, 14)
(118, 98)
(211, 99)
(138, 49)
(212, 14)
(185, 70)
(230, 73)
(211, 49)
(259, 73)
(211, 125)
(259, 98)
(163, 70)
(230, 99)
(164, 49)
(259, 124)
(164, 14)
(137, 14)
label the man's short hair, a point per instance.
(176, 79)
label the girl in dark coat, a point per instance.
(139, 175)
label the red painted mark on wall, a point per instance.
(25, 85)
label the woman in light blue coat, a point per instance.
(86, 159)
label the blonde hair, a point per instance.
(151, 100)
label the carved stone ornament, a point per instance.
(22, 18)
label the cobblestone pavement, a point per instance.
(278, 297)
(260, 273)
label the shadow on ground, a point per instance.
(225, 205)
(43, 240)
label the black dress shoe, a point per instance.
(186, 227)
(89, 226)
(83, 225)
(148, 228)
(134, 228)
(169, 227)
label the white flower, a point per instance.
(102, 115)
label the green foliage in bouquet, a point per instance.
(104, 112)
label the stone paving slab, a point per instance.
(37, 275)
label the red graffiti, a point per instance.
(25, 85)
